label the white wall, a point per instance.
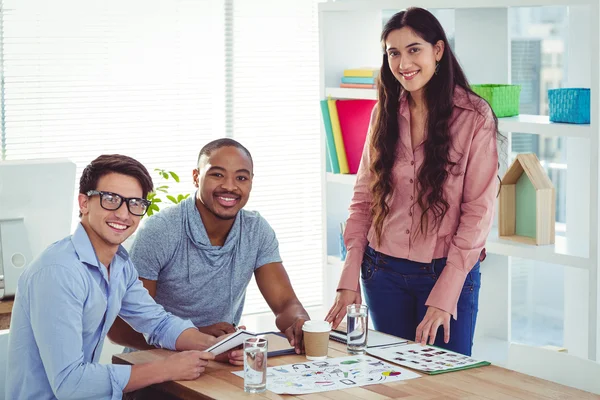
(338, 201)
(3, 360)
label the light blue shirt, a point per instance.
(64, 306)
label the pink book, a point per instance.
(354, 116)
(357, 85)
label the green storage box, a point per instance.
(504, 99)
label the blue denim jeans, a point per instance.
(396, 290)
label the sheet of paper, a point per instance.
(332, 374)
(428, 359)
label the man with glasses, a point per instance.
(112, 201)
(198, 257)
(68, 298)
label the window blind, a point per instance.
(274, 77)
(140, 78)
(158, 79)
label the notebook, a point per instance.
(354, 117)
(357, 86)
(332, 160)
(362, 72)
(353, 79)
(337, 136)
(277, 343)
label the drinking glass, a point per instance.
(357, 322)
(255, 365)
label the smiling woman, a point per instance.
(418, 211)
(413, 61)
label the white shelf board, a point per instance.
(562, 252)
(345, 179)
(349, 93)
(559, 253)
(358, 5)
(524, 123)
(541, 125)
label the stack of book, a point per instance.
(346, 125)
(359, 78)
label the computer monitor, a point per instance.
(36, 209)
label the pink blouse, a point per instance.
(470, 190)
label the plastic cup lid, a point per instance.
(316, 326)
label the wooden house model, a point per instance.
(527, 203)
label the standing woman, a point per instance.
(424, 197)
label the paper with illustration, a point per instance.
(429, 359)
(332, 374)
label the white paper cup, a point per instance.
(316, 339)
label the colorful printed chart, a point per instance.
(428, 359)
(332, 374)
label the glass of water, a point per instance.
(357, 322)
(255, 365)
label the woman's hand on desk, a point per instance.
(186, 365)
(427, 329)
(343, 299)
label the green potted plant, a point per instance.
(163, 190)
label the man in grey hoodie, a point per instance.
(197, 258)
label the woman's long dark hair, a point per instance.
(438, 94)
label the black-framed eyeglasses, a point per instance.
(112, 201)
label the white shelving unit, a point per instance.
(349, 37)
